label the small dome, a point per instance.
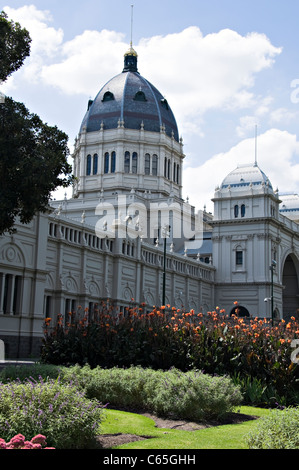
(245, 176)
(289, 203)
(130, 99)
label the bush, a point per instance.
(191, 395)
(33, 371)
(58, 411)
(194, 396)
(279, 430)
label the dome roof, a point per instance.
(245, 176)
(131, 99)
(289, 202)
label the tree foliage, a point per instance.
(33, 163)
(14, 46)
(33, 155)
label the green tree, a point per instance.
(14, 46)
(33, 155)
(33, 163)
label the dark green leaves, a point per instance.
(33, 163)
(14, 46)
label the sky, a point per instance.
(228, 69)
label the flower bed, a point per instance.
(250, 349)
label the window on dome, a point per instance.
(140, 96)
(113, 155)
(134, 162)
(95, 164)
(108, 96)
(106, 162)
(154, 165)
(164, 103)
(147, 163)
(127, 162)
(88, 165)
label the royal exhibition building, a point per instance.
(127, 235)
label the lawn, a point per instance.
(227, 436)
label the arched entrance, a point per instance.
(239, 311)
(290, 282)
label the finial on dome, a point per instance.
(130, 58)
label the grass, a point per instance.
(228, 436)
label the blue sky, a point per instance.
(223, 65)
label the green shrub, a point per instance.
(279, 430)
(58, 411)
(34, 371)
(122, 387)
(194, 395)
(191, 395)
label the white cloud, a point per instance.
(282, 115)
(197, 72)
(45, 44)
(277, 156)
(88, 61)
(209, 72)
(45, 39)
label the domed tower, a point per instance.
(246, 240)
(128, 139)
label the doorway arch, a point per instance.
(240, 311)
(290, 296)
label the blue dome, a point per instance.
(244, 176)
(130, 98)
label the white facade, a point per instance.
(250, 236)
(108, 240)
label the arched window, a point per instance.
(140, 96)
(243, 210)
(165, 167)
(134, 162)
(95, 164)
(113, 162)
(127, 162)
(88, 165)
(154, 165)
(147, 164)
(236, 211)
(106, 162)
(174, 172)
(108, 96)
(168, 170)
